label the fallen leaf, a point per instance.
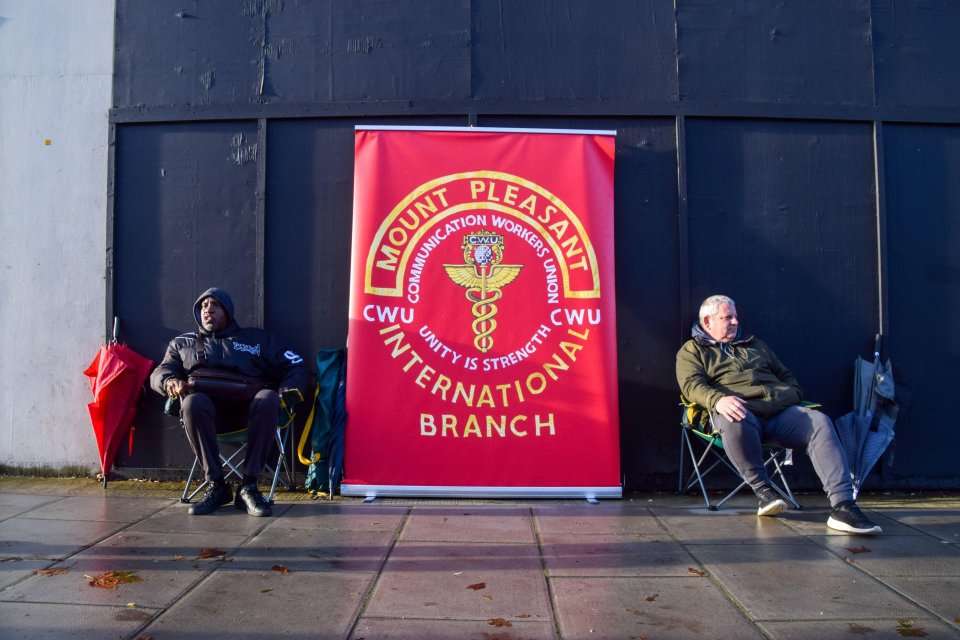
(478, 586)
(265, 590)
(487, 597)
(849, 560)
(523, 615)
(499, 622)
(430, 604)
(177, 558)
(906, 629)
(651, 598)
(210, 552)
(280, 568)
(696, 572)
(110, 579)
(132, 605)
(52, 572)
(856, 550)
(458, 573)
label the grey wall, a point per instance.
(797, 156)
(56, 61)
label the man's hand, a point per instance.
(175, 388)
(732, 408)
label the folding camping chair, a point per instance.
(697, 426)
(233, 463)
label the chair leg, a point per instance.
(187, 496)
(281, 463)
(696, 469)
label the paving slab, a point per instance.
(322, 514)
(610, 555)
(601, 519)
(814, 522)
(13, 569)
(454, 581)
(29, 621)
(12, 504)
(36, 539)
(889, 629)
(940, 523)
(99, 508)
(300, 549)
(244, 605)
(937, 594)
(621, 608)
(896, 555)
(758, 576)
(458, 524)
(419, 629)
(167, 565)
(726, 526)
(225, 520)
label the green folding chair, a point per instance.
(702, 444)
(236, 444)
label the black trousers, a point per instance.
(203, 418)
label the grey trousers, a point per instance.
(203, 419)
(794, 428)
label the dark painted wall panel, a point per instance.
(814, 52)
(781, 218)
(923, 213)
(224, 52)
(401, 50)
(917, 52)
(591, 51)
(187, 53)
(185, 220)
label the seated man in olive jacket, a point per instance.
(754, 399)
(222, 344)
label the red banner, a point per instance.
(482, 337)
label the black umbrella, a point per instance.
(866, 432)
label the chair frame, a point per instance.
(239, 438)
(231, 466)
(712, 454)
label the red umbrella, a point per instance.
(116, 376)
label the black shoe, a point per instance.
(770, 501)
(215, 497)
(847, 517)
(250, 498)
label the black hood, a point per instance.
(225, 301)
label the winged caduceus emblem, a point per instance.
(483, 276)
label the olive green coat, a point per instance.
(745, 367)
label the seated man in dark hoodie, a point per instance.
(253, 353)
(754, 399)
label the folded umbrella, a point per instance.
(866, 432)
(116, 376)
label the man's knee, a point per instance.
(265, 400)
(194, 404)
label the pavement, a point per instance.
(648, 566)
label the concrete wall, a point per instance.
(56, 65)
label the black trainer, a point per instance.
(770, 501)
(215, 497)
(847, 517)
(250, 498)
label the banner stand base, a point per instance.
(371, 491)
